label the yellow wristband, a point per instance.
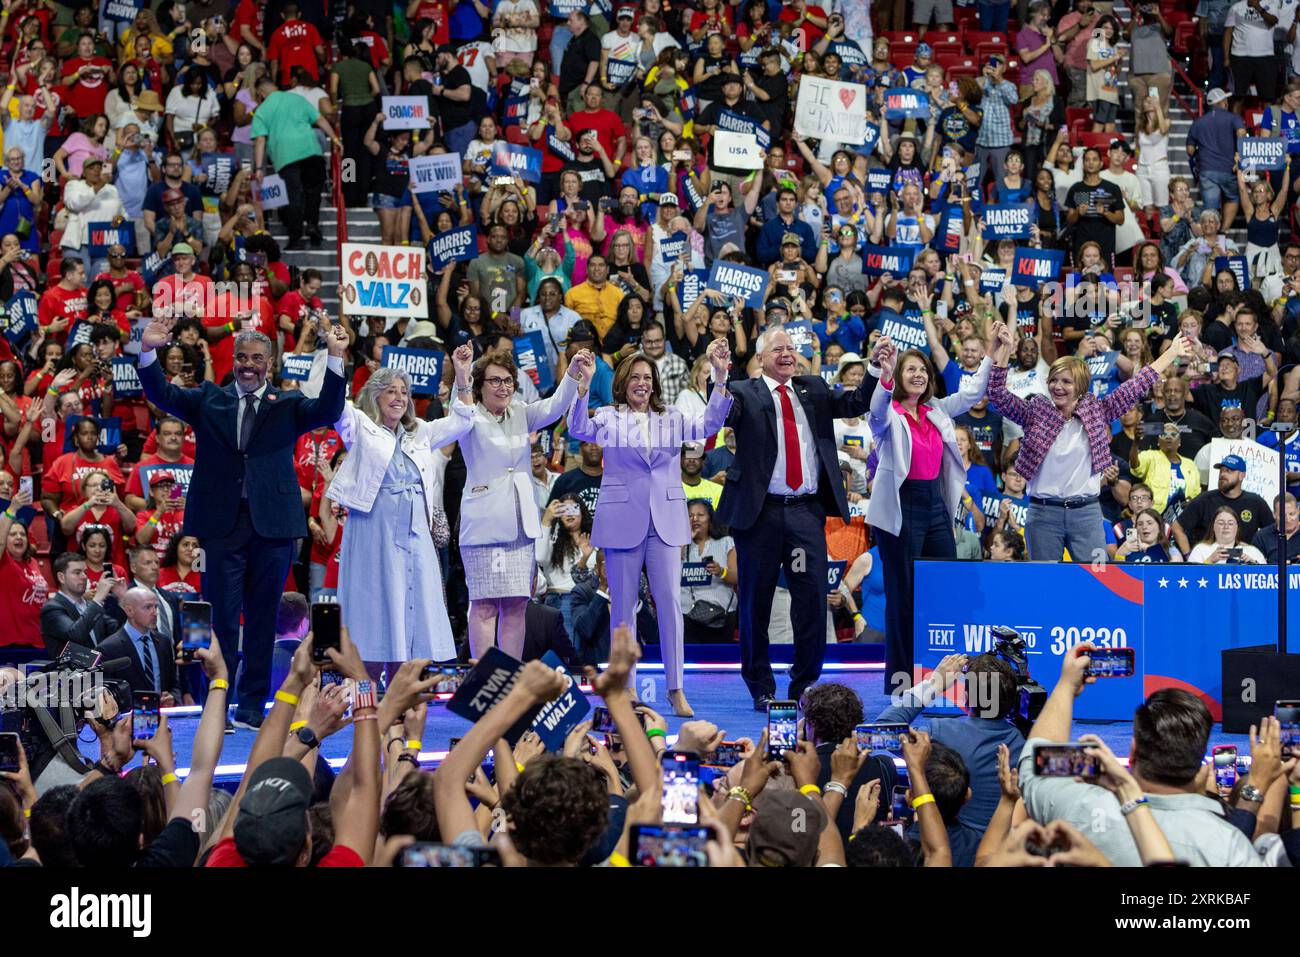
(221, 684)
(413, 745)
(27, 812)
(618, 860)
(169, 778)
(519, 767)
(810, 789)
(286, 697)
(296, 725)
(923, 799)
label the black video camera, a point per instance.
(1009, 646)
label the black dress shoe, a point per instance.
(762, 701)
(295, 244)
(315, 238)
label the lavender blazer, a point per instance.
(641, 481)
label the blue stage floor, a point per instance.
(717, 697)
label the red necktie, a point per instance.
(793, 462)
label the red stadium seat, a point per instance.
(987, 49)
(1186, 38)
(1079, 127)
(902, 36)
(963, 15)
(975, 37)
(963, 69)
(1073, 113)
(941, 40)
(1100, 141)
(516, 135)
(949, 58)
(902, 54)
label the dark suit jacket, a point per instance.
(219, 467)
(120, 645)
(62, 623)
(114, 610)
(753, 416)
(544, 631)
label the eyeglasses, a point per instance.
(497, 382)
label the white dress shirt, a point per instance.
(807, 450)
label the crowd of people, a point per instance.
(703, 465)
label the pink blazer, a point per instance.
(643, 480)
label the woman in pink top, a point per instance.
(919, 481)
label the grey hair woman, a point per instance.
(381, 399)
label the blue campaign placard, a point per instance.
(1033, 267)
(993, 278)
(1007, 222)
(531, 359)
(495, 675)
(1101, 369)
(1237, 266)
(908, 332)
(1261, 152)
(297, 367)
(802, 336)
(424, 366)
(688, 290)
(110, 432)
(559, 147)
(455, 245)
(511, 159)
(618, 72)
(103, 235)
(126, 378)
(20, 316)
(905, 103)
(735, 123)
(878, 260)
(741, 282)
(673, 248)
(182, 473)
(695, 574)
(121, 11)
(870, 137)
(878, 180)
(560, 9)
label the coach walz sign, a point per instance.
(383, 281)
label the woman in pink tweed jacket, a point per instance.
(1066, 447)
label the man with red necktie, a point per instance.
(784, 480)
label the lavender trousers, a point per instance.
(663, 565)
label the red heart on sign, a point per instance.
(847, 96)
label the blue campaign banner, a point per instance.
(424, 366)
(110, 432)
(219, 173)
(1036, 266)
(736, 281)
(455, 245)
(618, 72)
(878, 260)
(1237, 266)
(1103, 369)
(695, 575)
(672, 248)
(688, 290)
(20, 314)
(904, 103)
(126, 378)
(878, 180)
(908, 332)
(559, 147)
(510, 159)
(1216, 606)
(182, 473)
(870, 137)
(560, 9)
(1261, 152)
(834, 575)
(1007, 222)
(297, 367)
(531, 358)
(735, 123)
(103, 235)
(516, 104)
(492, 679)
(120, 11)
(993, 278)
(802, 336)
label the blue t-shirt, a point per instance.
(1290, 128)
(849, 334)
(982, 489)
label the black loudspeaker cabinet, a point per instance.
(1260, 675)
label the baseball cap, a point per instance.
(1228, 354)
(693, 450)
(1120, 144)
(582, 331)
(182, 249)
(668, 198)
(628, 12)
(774, 841)
(791, 238)
(159, 477)
(1234, 462)
(271, 826)
(727, 249)
(1216, 95)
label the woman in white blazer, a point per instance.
(390, 583)
(918, 482)
(499, 518)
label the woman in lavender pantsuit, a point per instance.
(641, 517)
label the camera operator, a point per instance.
(69, 615)
(1171, 731)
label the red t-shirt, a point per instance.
(59, 303)
(293, 305)
(187, 587)
(169, 526)
(248, 14)
(811, 32)
(134, 485)
(718, 22)
(125, 288)
(113, 520)
(69, 469)
(293, 45)
(87, 95)
(606, 123)
(223, 350)
(225, 854)
(185, 297)
(23, 590)
(47, 102)
(187, 445)
(437, 12)
(6, 443)
(312, 449)
(378, 48)
(93, 577)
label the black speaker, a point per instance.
(1259, 675)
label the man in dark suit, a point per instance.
(243, 502)
(70, 615)
(783, 482)
(145, 566)
(152, 664)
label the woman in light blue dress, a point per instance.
(390, 582)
